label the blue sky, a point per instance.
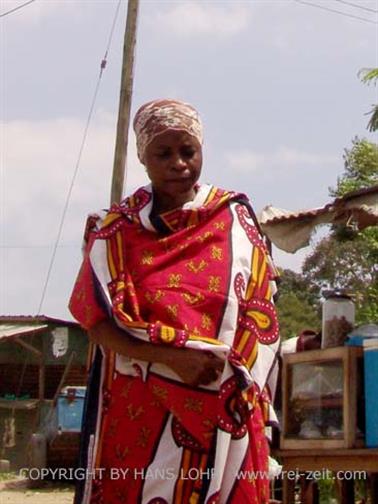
(274, 80)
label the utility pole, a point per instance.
(120, 154)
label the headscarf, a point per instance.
(158, 116)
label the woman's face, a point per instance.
(173, 161)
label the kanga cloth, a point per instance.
(198, 277)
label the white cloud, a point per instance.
(246, 161)
(194, 18)
(283, 159)
(35, 12)
(295, 157)
(38, 161)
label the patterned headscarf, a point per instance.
(158, 116)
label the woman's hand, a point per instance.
(196, 367)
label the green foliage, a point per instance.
(345, 259)
(4, 476)
(368, 311)
(340, 264)
(327, 490)
(349, 264)
(296, 305)
(372, 125)
(360, 168)
(367, 76)
(348, 258)
(290, 281)
(329, 494)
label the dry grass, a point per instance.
(17, 491)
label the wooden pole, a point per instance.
(119, 175)
(41, 380)
(63, 377)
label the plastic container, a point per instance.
(361, 334)
(38, 450)
(370, 346)
(70, 409)
(337, 318)
(38, 458)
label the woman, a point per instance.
(176, 292)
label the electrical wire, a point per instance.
(362, 7)
(335, 11)
(102, 67)
(16, 8)
(68, 198)
(17, 247)
(112, 29)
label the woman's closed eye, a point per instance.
(163, 154)
(187, 152)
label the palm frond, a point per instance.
(368, 75)
(373, 123)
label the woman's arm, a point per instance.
(192, 366)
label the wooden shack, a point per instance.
(38, 357)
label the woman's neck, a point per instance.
(162, 203)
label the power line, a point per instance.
(362, 7)
(16, 8)
(335, 11)
(112, 29)
(65, 208)
(20, 247)
(64, 213)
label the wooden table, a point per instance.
(341, 462)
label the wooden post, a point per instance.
(120, 154)
(29, 347)
(63, 377)
(41, 380)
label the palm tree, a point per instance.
(367, 76)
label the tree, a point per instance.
(348, 258)
(343, 264)
(369, 75)
(360, 168)
(297, 304)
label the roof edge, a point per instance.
(37, 319)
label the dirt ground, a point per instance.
(16, 491)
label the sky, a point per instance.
(275, 81)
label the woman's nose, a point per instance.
(178, 163)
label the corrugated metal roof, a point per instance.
(36, 318)
(366, 198)
(291, 231)
(272, 214)
(14, 330)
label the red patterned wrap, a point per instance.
(203, 280)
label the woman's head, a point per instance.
(158, 116)
(169, 142)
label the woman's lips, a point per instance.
(181, 179)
